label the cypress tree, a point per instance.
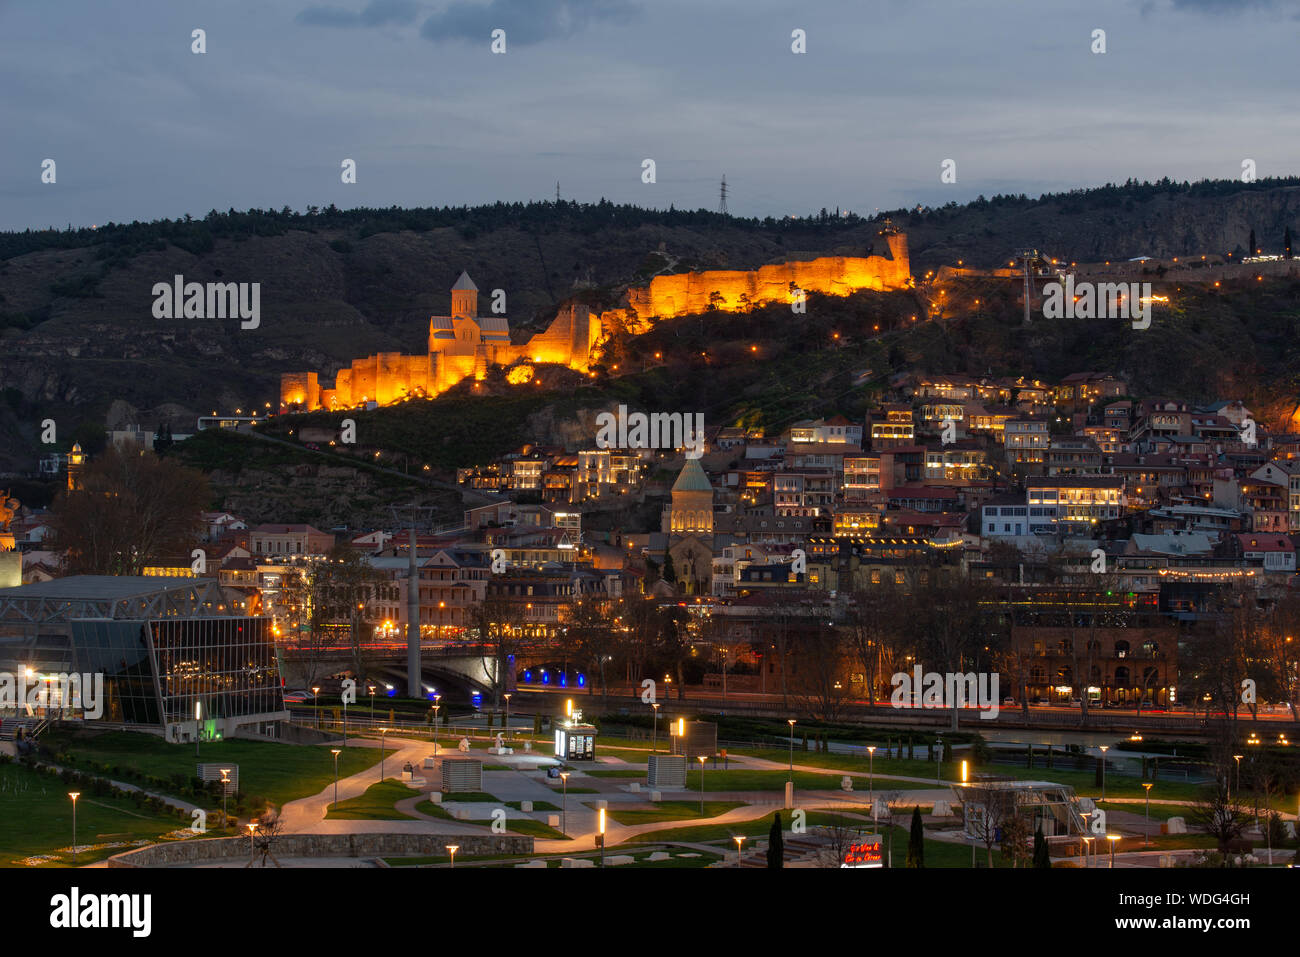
(1252, 243)
(775, 844)
(916, 841)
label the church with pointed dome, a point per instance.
(461, 345)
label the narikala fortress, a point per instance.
(465, 344)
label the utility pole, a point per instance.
(722, 197)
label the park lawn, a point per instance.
(376, 804)
(668, 811)
(1083, 782)
(758, 827)
(537, 805)
(748, 780)
(433, 810)
(444, 858)
(477, 797)
(1159, 812)
(278, 772)
(529, 827)
(36, 819)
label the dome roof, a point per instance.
(692, 478)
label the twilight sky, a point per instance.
(142, 128)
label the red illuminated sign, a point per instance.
(864, 854)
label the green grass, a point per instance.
(434, 810)
(276, 772)
(617, 774)
(759, 780)
(480, 797)
(376, 804)
(577, 790)
(668, 811)
(1083, 782)
(1159, 812)
(36, 819)
(758, 827)
(537, 805)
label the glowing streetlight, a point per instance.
(315, 704)
(336, 752)
(654, 734)
(701, 759)
(790, 721)
(739, 839)
(564, 805)
(1114, 839)
(600, 827)
(74, 795)
(382, 733)
(507, 697)
(225, 786)
(453, 848)
(1104, 748)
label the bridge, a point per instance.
(457, 670)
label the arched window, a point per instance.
(1121, 677)
(1121, 649)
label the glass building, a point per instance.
(171, 655)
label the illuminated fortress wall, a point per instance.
(465, 345)
(694, 292)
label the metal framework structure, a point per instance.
(108, 597)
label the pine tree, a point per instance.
(670, 573)
(1252, 251)
(1041, 858)
(775, 844)
(916, 841)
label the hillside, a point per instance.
(80, 339)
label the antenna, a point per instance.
(722, 197)
(557, 192)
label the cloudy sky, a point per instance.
(140, 127)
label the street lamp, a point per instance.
(382, 733)
(252, 828)
(790, 721)
(225, 786)
(702, 759)
(600, 826)
(1113, 838)
(336, 752)
(453, 848)
(871, 778)
(1104, 748)
(436, 708)
(315, 704)
(1087, 850)
(654, 735)
(74, 795)
(507, 697)
(564, 805)
(371, 689)
(198, 717)
(1237, 758)
(1147, 835)
(739, 839)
